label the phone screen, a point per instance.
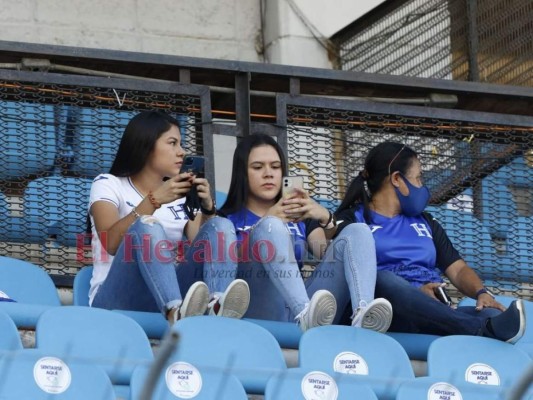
(194, 164)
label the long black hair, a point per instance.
(239, 187)
(382, 160)
(138, 141)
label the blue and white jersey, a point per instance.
(244, 220)
(121, 192)
(414, 248)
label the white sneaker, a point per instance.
(320, 311)
(194, 303)
(376, 315)
(234, 301)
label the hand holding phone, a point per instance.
(442, 295)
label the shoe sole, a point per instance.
(377, 317)
(322, 309)
(236, 300)
(522, 313)
(195, 301)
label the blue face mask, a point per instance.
(416, 201)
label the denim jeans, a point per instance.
(144, 275)
(416, 312)
(277, 289)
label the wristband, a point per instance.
(205, 211)
(483, 290)
(330, 220)
(153, 201)
(135, 213)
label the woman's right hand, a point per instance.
(279, 210)
(174, 188)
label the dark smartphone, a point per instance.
(442, 295)
(194, 164)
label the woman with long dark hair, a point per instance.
(276, 231)
(413, 252)
(138, 225)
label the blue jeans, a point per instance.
(416, 312)
(144, 275)
(277, 289)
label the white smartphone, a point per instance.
(289, 183)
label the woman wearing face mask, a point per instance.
(413, 251)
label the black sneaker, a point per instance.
(510, 325)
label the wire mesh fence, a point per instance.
(54, 140)
(480, 176)
(487, 41)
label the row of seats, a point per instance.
(211, 347)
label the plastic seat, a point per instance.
(32, 289)
(57, 206)
(81, 286)
(370, 357)
(519, 248)
(96, 139)
(470, 237)
(9, 337)
(476, 359)
(37, 376)
(296, 384)
(104, 338)
(201, 384)
(431, 388)
(239, 347)
(27, 139)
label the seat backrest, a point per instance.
(96, 139)
(27, 139)
(220, 342)
(60, 203)
(518, 244)
(432, 388)
(81, 286)
(476, 359)
(184, 380)
(242, 348)
(33, 375)
(9, 334)
(297, 383)
(350, 350)
(110, 339)
(25, 282)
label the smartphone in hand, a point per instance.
(194, 164)
(289, 183)
(442, 295)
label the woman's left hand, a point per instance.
(204, 193)
(304, 207)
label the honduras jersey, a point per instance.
(124, 195)
(407, 246)
(244, 220)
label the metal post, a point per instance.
(242, 102)
(473, 40)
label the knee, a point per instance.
(147, 224)
(272, 225)
(220, 224)
(358, 233)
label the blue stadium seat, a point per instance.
(416, 345)
(470, 237)
(476, 359)
(27, 139)
(184, 380)
(81, 286)
(239, 347)
(433, 388)
(96, 139)
(101, 337)
(519, 249)
(38, 376)
(5, 218)
(299, 384)
(370, 357)
(32, 289)
(9, 337)
(220, 198)
(287, 334)
(57, 206)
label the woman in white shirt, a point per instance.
(141, 261)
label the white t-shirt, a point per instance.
(122, 193)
